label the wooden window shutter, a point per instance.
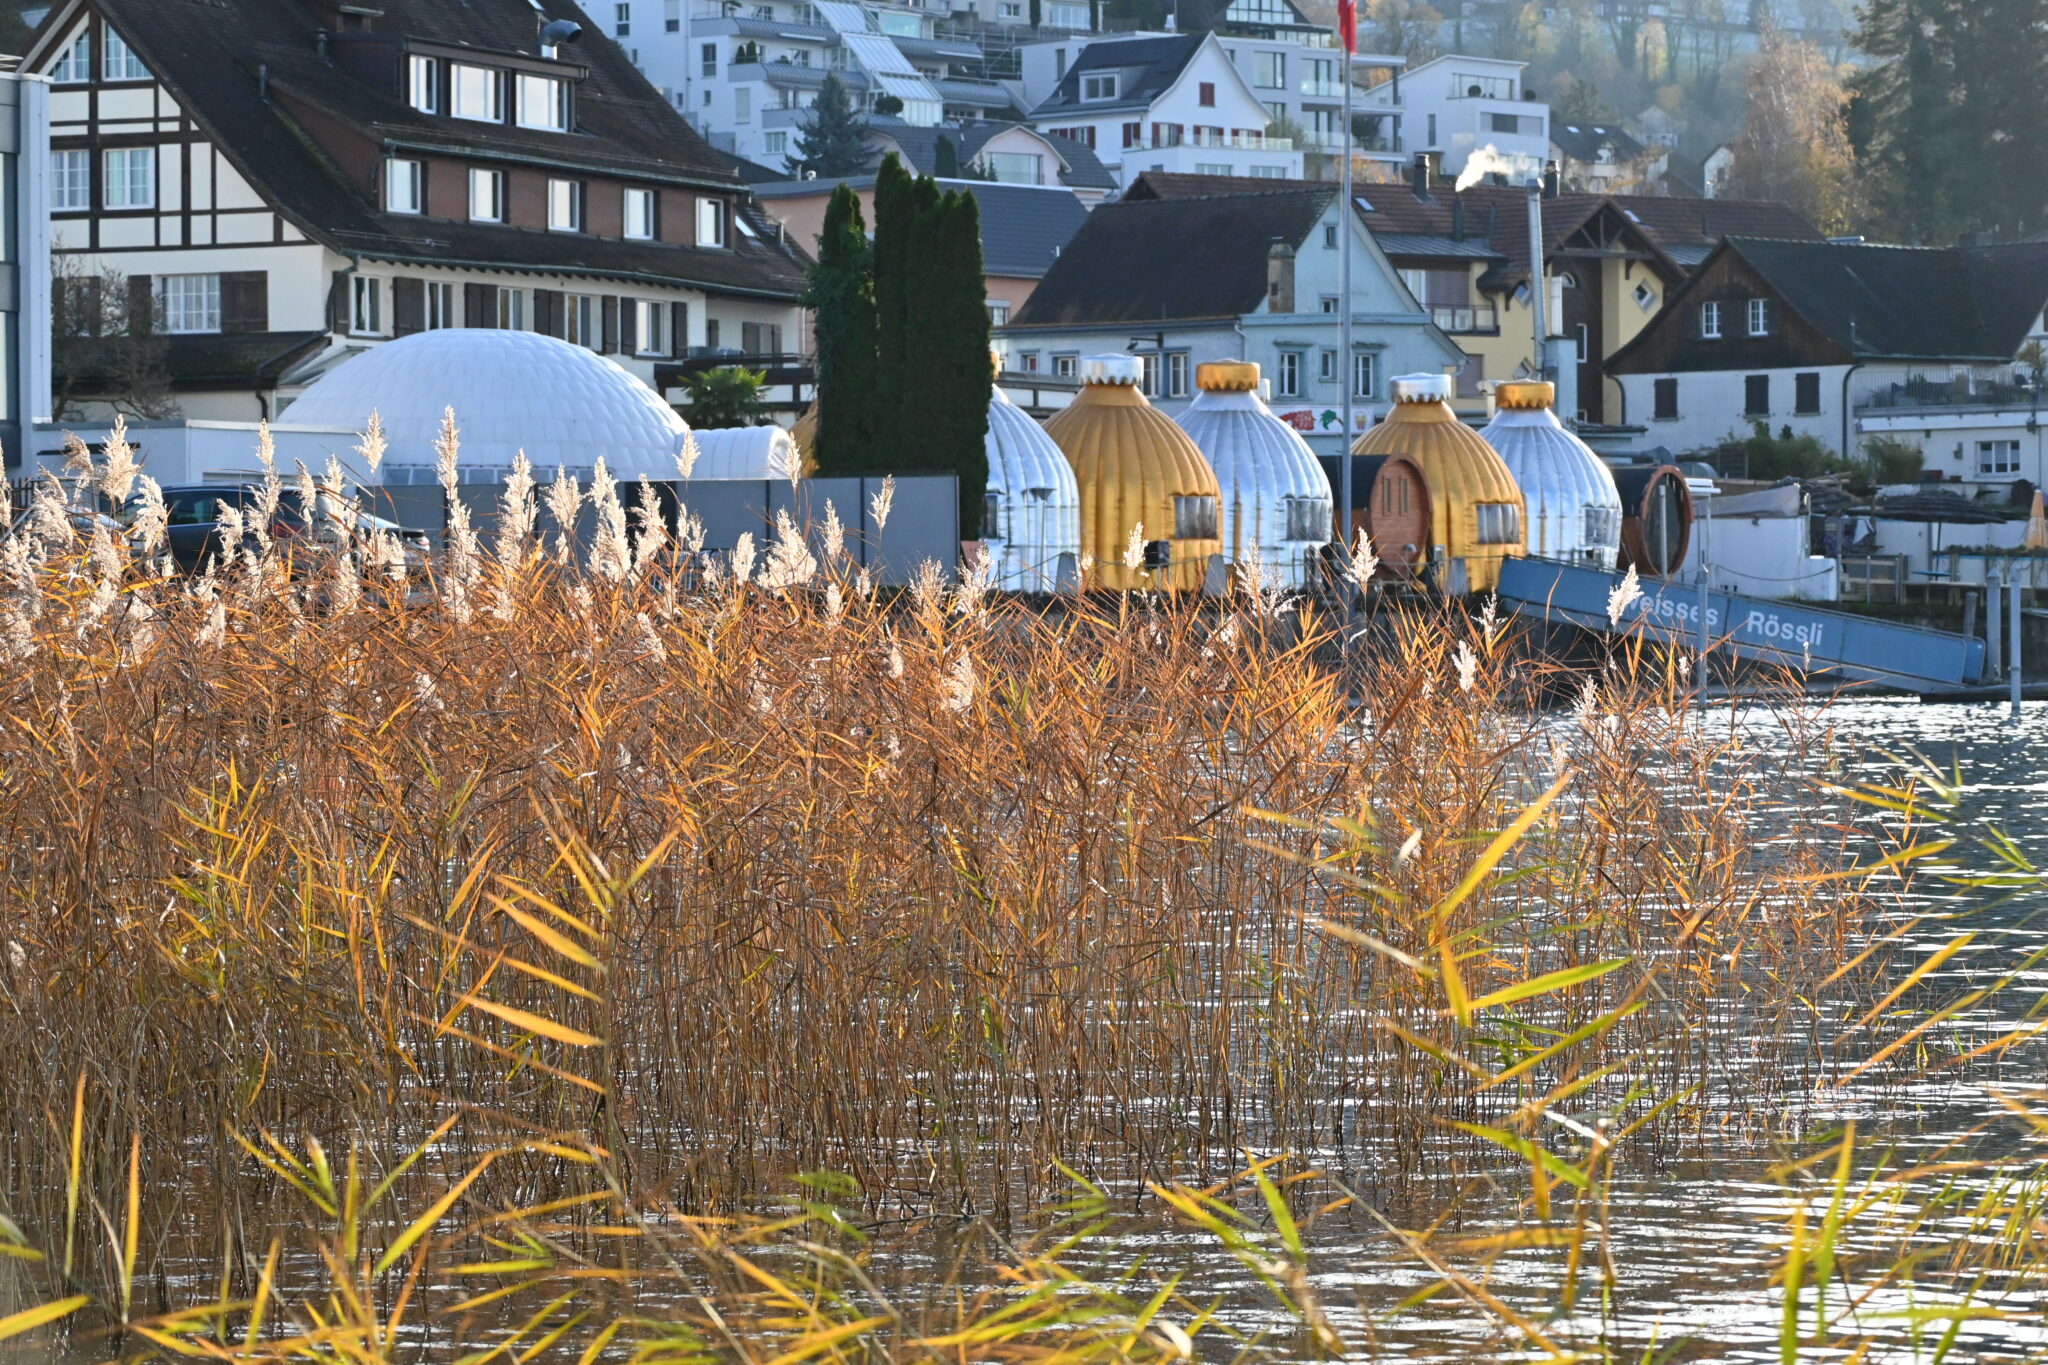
(609, 336)
(679, 330)
(408, 305)
(629, 339)
(479, 305)
(245, 301)
(141, 305)
(547, 312)
(338, 310)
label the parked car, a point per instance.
(81, 519)
(194, 532)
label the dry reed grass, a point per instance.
(642, 901)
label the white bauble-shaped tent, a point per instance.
(1574, 509)
(563, 405)
(1032, 525)
(1276, 498)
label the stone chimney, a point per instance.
(1279, 277)
(1419, 175)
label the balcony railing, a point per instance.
(1951, 393)
(1466, 320)
(1323, 89)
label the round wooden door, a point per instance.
(1400, 517)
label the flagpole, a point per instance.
(1349, 37)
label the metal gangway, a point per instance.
(1813, 640)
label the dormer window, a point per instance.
(1759, 317)
(640, 215)
(479, 93)
(118, 61)
(486, 196)
(404, 186)
(1710, 321)
(75, 66)
(423, 84)
(1099, 86)
(543, 103)
(710, 222)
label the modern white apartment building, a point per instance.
(745, 71)
(1455, 106)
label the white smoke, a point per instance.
(1490, 160)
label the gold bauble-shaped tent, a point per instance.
(1136, 469)
(1476, 511)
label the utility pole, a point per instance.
(1345, 362)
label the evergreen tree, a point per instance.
(965, 373)
(832, 140)
(894, 268)
(1949, 121)
(842, 292)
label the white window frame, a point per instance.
(711, 222)
(1287, 378)
(1098, 87)
(1759, 317)
(583, 321)
(366, 306)
(130, 160)
(75, 66)
(1365, 373)
(641, 224)
(481, 180)
(550, 93)
(1710, 322)
(405, 185)
(652, 319)
(463, 87)
(438, 310)
(511, 308)
(190, 303)
(998, 312)
(1995, 459)
(118, 61)
(423, 83)
(777, 142)
(1326, 366)
(1176, 374)
(71, 180)
(565, 206)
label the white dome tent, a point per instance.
(1032, 526)
(743, 453)
(563, 405)
(1574, 509)
(1276, 499)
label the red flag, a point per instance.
(1347, 24)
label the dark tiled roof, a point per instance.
(1024, 228)
(1178, 185)
(1080, 168)
(1674, 223)
(237, 359)
(1145, 68)
(1583, 141)
(1155, 260)
(209, 53)
(1956, 303)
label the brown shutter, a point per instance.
(141, 305)
(547, 312)
(750, 338)
(610, 335)
(408, 305)
(479, 305)
(679, 330)
(629, 339)
(245, 301)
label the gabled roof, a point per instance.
(1583, 141)
(1023, 227)
(1172, 260)
(1145, 67)
(215, 56)
(1904, 303)
(1080, 168)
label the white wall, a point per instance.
(1433, 93)
(1710, 408)
(201, 451)
(1924, 545)
(1760, 557)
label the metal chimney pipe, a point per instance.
(1537, 291)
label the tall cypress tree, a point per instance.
(894, 270)
(965, 374)
(842, 292)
